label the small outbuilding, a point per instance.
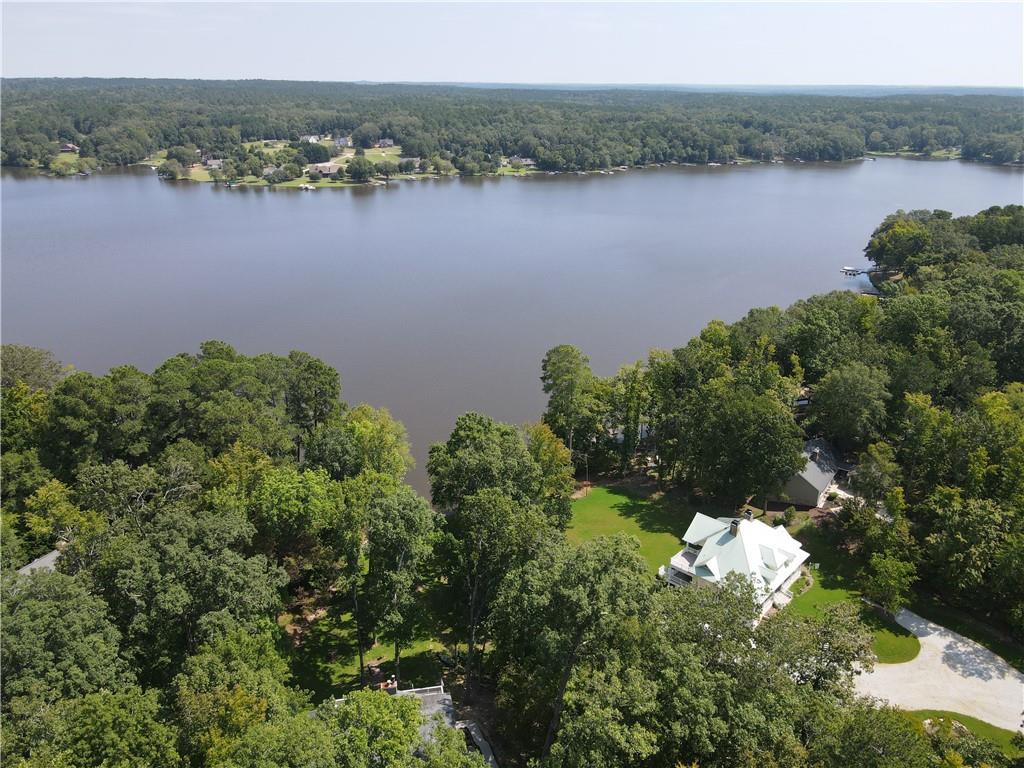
(810, 486)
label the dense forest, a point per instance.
(194, 505)
(118, 122)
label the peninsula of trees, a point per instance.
(229, 528)
(123, 121)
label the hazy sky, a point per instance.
(921, 43)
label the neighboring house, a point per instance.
(526, 162)
(47, 562)
(267, 170)
(383, 143)
(715, 547)
(802, 403)
(310, 139)
(810, 486)
(324, 169)
(69, 147)
(435, 700)
(214, 164)
(343, 141)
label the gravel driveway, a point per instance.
(951, 673)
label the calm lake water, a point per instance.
(438, 297)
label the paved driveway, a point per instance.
(950, 673)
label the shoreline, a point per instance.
(303, 183)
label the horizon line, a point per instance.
(518, 83)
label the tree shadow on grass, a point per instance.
(655, 512)
(418, 670)
(326, 659)
(836, 569)
(320, 662)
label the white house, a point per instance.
(716, 547)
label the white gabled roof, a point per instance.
(760, 552)
(701, 527)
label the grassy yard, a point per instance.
(508, 170)
(155, 159)
(657, 520)
(939, 154)
(324, 658)
(64, 159)
(326, 661)
(374, 155)
(833, 583)
(979, 728)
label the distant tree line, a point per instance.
(119, 121)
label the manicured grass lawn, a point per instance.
(260, 144)
(1000, 736)
(657, 520)
(65, 159)
(199, 173)
(834, 583)
(155, 159)
(507, 170)
(394, 154)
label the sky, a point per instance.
(754, 43)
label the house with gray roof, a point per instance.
(718, 546)
(810, 486)
(47, 562)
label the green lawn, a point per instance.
(64, 159)
(979, 728)
(657, 520)
(834, 583)
(374, 155)
(155, 159)
(326, 661)
(508, 170)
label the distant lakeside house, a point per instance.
(715, 547)
(385, 143)
(310, 138)
(325, 169)
(342, 141)
(68, 147)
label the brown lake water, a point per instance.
(438, 297)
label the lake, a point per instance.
(437, 297)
